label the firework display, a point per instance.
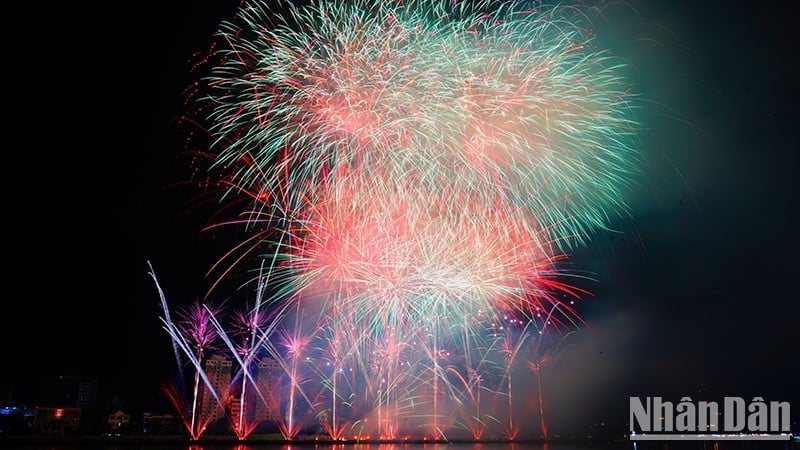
(409, 177)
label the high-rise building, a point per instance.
(268, 384)
(218, 370)
(68, 391)
(260, 402)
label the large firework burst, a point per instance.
(412, 174)
(513, 101)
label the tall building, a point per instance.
(268, 380)
(261, 401)
(218, 370)
(68, 391)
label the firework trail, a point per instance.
(193, 338)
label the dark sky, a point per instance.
(696, 286)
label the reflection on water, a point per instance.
(565, 445)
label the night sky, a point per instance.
(695, 287)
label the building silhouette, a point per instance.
(261, 399)
(62, 401)
(73, 391)
(268, 380)
(218, 370)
